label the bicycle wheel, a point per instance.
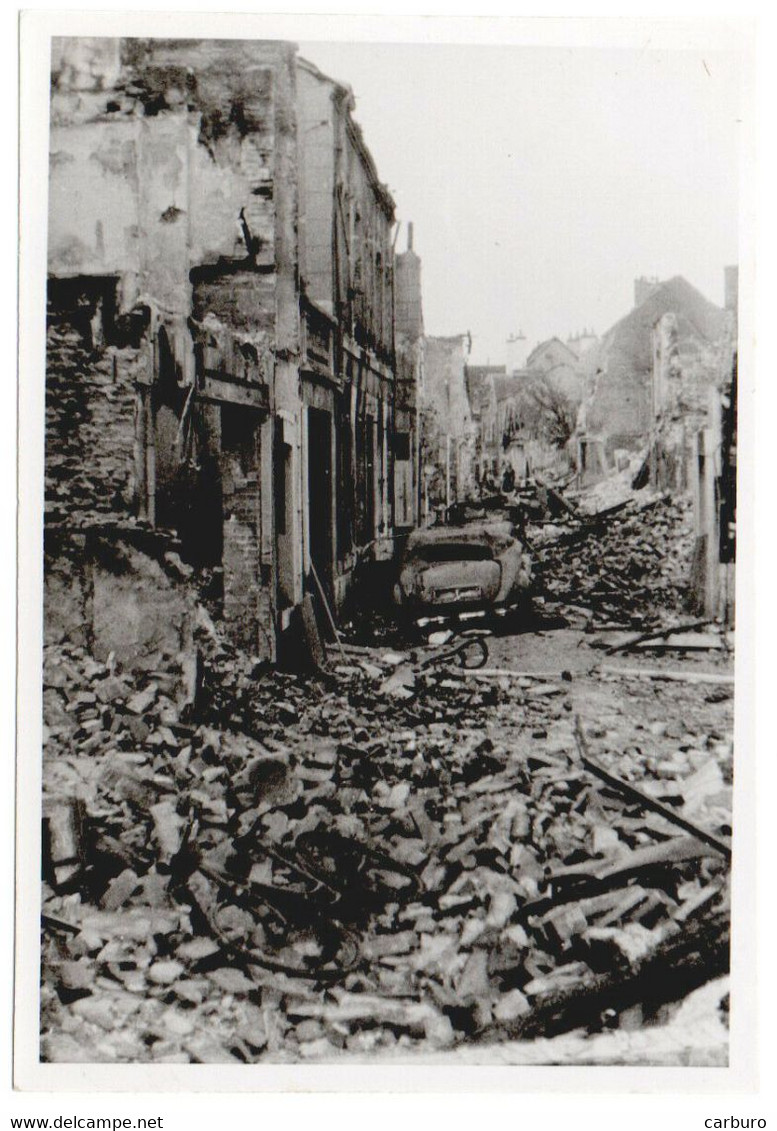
(473, 653)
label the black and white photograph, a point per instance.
(387, 535)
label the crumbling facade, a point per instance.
(619, 411)
(409, 344)
(221, 356)
(712, 477)
(479, 394)
(502, 425)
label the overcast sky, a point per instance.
(543, 181)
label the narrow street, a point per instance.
(388, 605)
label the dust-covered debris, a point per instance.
(291, 867)
(628, 568)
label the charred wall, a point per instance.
(90, 468)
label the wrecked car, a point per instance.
(449, 569)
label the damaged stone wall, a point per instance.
(185, 167)
(141, 614)
(121, 593)
(409, 347)
(165, 156)
(364, 215)
(619, 369)
(111, 584)
(90, 412)
(444, 382)
(317, 186)
(246, 597)
(166, 163)
(685, 373)
(713, 480)
(347, 284)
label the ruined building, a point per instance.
(524, 412)
(620, 410)
(483, 406)
(409, 346)
(515, 421)
(221, 353)
(713, 475)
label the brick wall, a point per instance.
(90, 425)
(408, 316)
(242, 300)
(118, 593)
(246, 608)
(622, 408)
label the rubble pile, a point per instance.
(613, 490)
(286, 868)
(626, 568)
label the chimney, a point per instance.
(408, 309)
(643, 286)
(585, 341)
(517, 352)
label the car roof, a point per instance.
(486, 532)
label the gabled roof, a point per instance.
(628, 344)
(536, 354)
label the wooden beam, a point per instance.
(681, 962)
(679, 677)
(508, 673)
(328, 611)
(630, 791)
(224, 391)
(657, 634)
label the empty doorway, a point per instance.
(320, 495)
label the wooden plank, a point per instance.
(656, 634)
(657, 673)
(311, 634)
(634, 794)
(497, 673)
(684, 642)
(674, 851)
(327, 610)
(224, 391)
(680, 963)
(605, 669)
